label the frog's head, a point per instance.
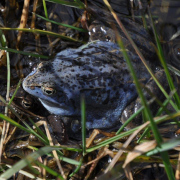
(45, 84)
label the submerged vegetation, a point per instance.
(33, 151)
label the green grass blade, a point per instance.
(68, 160)
(62, 24)
(78, 168)
(165, 146)
(71, 149)
(160, 110)
(146, 131)
(26, 161)
(45, 9)
(41, 32)
(173, 69)
(132, 117)
(129, 120)
(2, 39)
(27, 174)
(76, 4)
(14, 123)
(65, 159)
(49, 170)
(14, 94)
(163, 62)
(39, 130)
(165, 103)
(24, 53)
(83, 123)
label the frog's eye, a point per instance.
(48, 90)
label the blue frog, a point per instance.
(98, 71)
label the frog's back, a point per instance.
(96, 65)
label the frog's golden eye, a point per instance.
(48, 90)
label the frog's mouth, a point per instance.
(55, 108)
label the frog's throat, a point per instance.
(54, 108)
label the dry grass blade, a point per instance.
(33, 15)
(177, 175)
(175, 35)
(5, 124)
(102, 152)
(51, 144)
(138, 150)
(23, 21)
(120, 152)
(92, 137)
(128, 173)
(2, 138)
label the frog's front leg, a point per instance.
(150, 88)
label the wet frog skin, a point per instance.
(97, 70)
